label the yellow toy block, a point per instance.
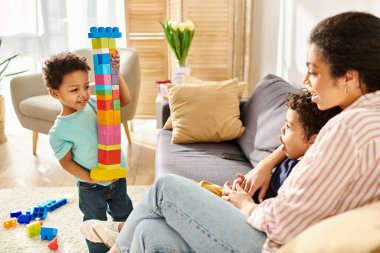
(103, 42)
(95, 43)
(111, 43)
(109, 147)
(108, 166)
(10, 223)
(33, 229)
(100, 174)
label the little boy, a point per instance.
(74, 135)
(303, 122)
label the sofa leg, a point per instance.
(126, 128)
(35, 139)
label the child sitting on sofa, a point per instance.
(303, 122)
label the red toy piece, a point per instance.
(54, 244)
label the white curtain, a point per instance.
(38, 28)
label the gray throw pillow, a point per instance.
(263, 116)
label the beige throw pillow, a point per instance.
(189, 80)
(355, 231)
(205, 113)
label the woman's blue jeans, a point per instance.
(179, 216)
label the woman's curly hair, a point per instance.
(57, 66)
(311, 118)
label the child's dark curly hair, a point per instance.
(311, 118)
(57, 66)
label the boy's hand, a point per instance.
(240, 199)
(116, 60)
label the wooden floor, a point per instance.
(19, 167)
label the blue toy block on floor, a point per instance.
(46, 203)
(48, 233)
(15, 213)
(24, 218)
(57, 204)
(39, 212)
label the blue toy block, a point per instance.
(95, 59)
(40, 212)
(46, 203)
(48, 233)
(102, 69)
(103, 87)
(15, 213)
(57, 204)
(104, 32)
(103, 59)
(24, 218)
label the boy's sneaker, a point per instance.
(90, 234)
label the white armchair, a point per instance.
(37, 110)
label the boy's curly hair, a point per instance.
(311, 118)
(57, 66)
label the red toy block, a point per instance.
(109, 156)
(115, 94)
(54, 244)
(104, 104)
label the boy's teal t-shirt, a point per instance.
(79, 132)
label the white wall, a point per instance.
(281, 29)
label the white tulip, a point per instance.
(174, 25)
(182, 27)
(190, 25)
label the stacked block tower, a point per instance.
(108, 104)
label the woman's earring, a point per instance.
(347, 88)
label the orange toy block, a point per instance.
(116, 117)
(107, 117)
(10, 223)
(54, 244)
(104, 97)
(112, 51)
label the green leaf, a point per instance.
(9, 59)
(16, 73)
(177, 44)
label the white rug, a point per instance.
(66, 218)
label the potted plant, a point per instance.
(3, 67)
(179, 37)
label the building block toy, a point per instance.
(10, 223)
(108, 104)
(15, 213)
(24, 218)
(39, 220)
(104, 32)
(39, 212)
(54, 244)
(33, 229)
(48, 233)
(56, 205)
(46, 203)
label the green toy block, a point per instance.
(103, 42)
(111, 43)
(103, 92)
(116, 104)
(33, 229)
(95, 43)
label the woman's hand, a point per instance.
(239, 199)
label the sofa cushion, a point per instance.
(205, 113)
(263, 116)
(356, 231)
(198, 161)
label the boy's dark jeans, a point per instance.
(95, 200)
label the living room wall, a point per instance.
(281, 29)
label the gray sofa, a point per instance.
(263, 115)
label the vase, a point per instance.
(178, 73)
(3, 138)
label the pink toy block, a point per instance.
(109, 134)
(103, 79)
